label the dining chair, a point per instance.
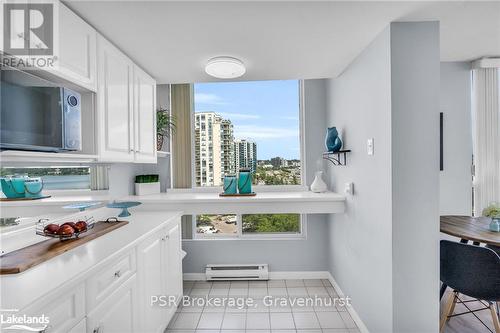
(473, 271)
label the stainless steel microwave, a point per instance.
(38, 115)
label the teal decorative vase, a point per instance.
(13, 186)
(33, 187)
(495, 224)
(333, 142)
(230, 185)
(245, 182)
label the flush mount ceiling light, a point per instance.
(225, 67)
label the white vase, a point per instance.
(318, 185)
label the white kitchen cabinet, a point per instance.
(174, 263)
(103, 282)
(77, 49)
(114, 106)
(126, 108)
(117, 313)
(81, 327)
(159, 264)
(144, 117)
(64, 308)
(152, 281)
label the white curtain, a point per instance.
(486, 130)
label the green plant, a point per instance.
(140, 179)
(493, 210)
(165, 122)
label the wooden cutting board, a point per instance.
(30, 256)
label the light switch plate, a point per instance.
(370, 146)
(349, 188)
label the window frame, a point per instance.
(258, 188)
(250, 236)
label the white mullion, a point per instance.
(239, 223)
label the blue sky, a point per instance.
(266, 112)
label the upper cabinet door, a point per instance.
(144, 117)
(114, 106)
(77, 49)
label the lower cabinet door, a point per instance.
(152, 282)
(64, 308)
(118, 312)
(174, 264)
(81, 327)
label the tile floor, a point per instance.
(467, 323)
(260, 318)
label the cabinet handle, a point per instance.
(118, 273)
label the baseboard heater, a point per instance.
(237, 272)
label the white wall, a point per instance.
(359, 103)
(284, 255)
(384, 249)
(455, 180)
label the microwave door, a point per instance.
(31, 113)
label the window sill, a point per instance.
(299, 202)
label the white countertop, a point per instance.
(20, 289)
(305, 202)
(203, 202)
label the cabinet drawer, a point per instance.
(64, 308)
(103, 282)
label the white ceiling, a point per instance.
(278, 40)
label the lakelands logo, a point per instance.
(11, 320)
(28, 35)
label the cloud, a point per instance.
(208, 99)
(231, 116)
(289, 118)
(260, 132)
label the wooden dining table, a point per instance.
(468, 229)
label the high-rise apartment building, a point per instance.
(245, 154)
(214, 150)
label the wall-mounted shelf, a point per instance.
(337, 157)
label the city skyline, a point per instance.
(265, 112)
(217, 152)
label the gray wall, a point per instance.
(384, 249)
(284, 255)
(415, 176)
(359, 104)
(281, 255)
(455, 180)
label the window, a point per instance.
(247, 125)
(64, 177)
(251, 125)
(210, 226)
